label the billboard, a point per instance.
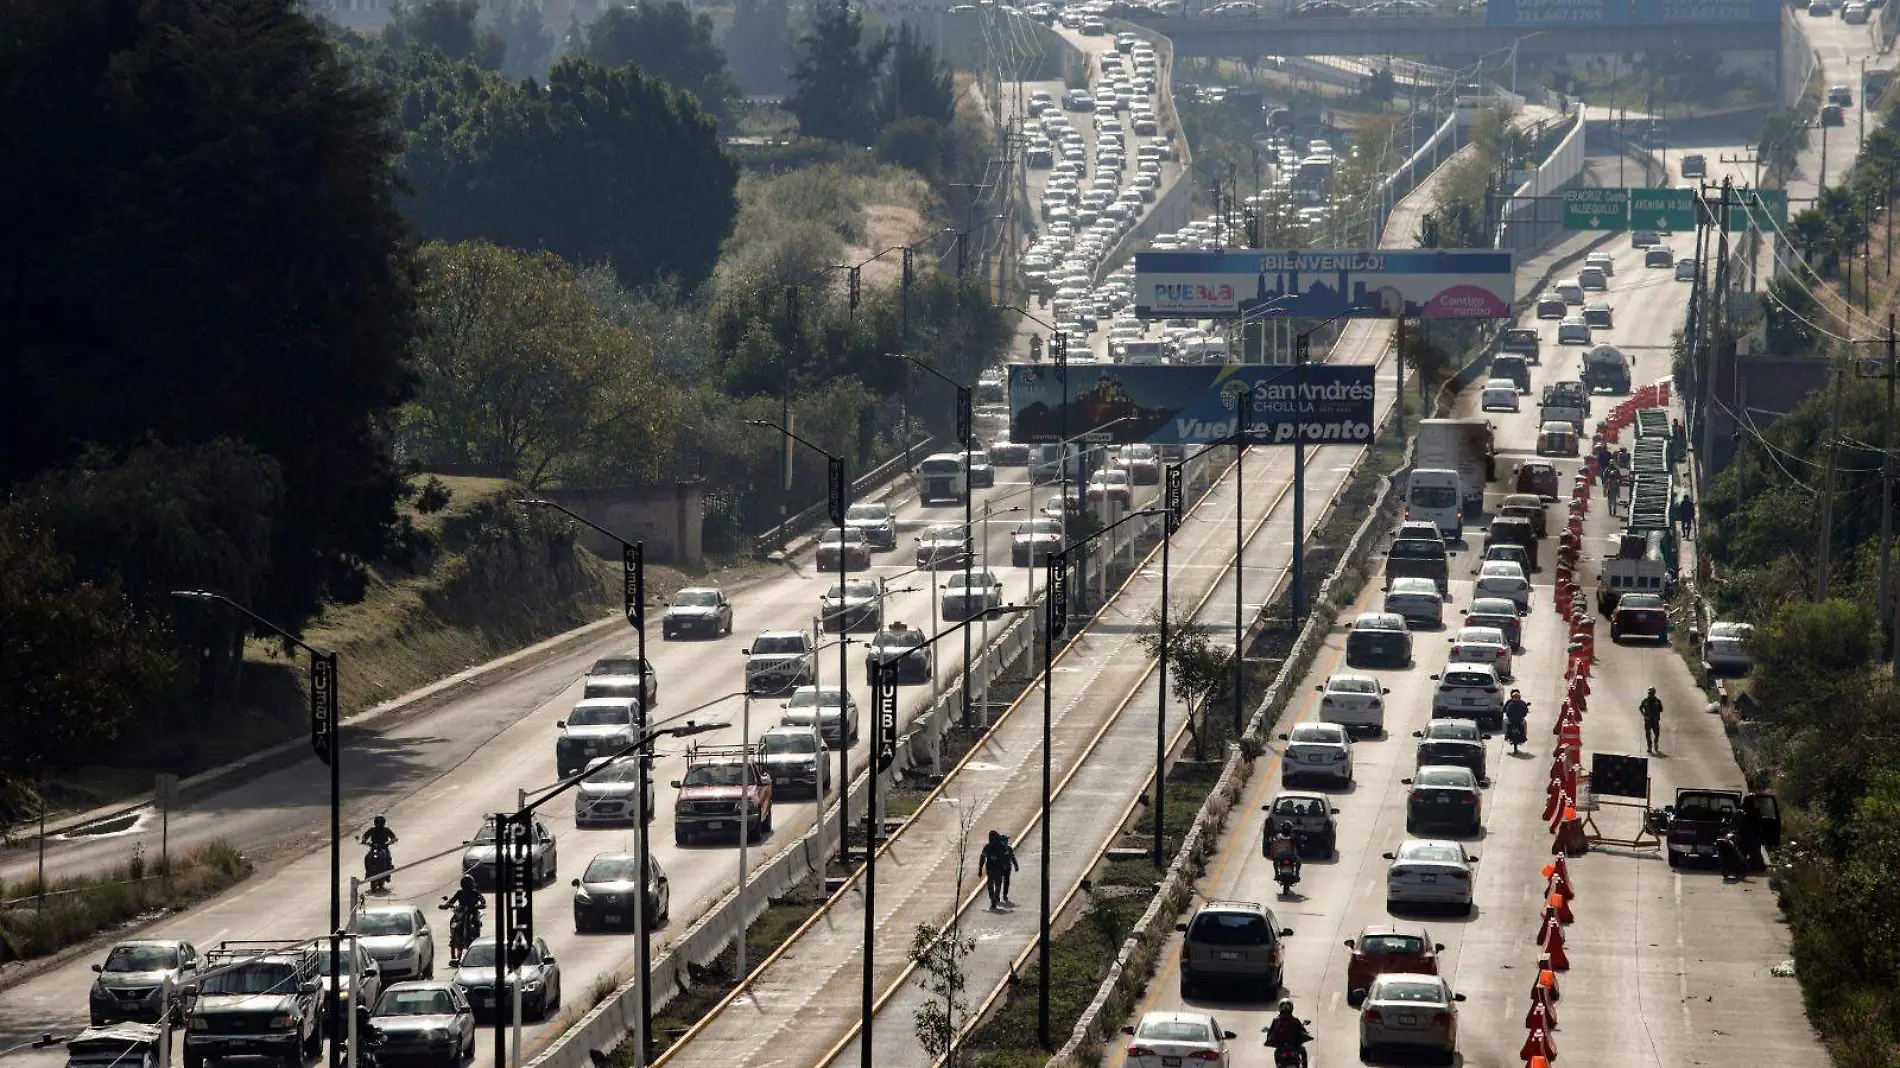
(1190, 405)
(1513, 14)
(1372, 283)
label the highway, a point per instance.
(1668, 968)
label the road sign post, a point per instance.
(1596, 209)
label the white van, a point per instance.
(1140, 352)
(1434, 495)
(941, 478)
(1570, 289)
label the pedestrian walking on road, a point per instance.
(1009, 854)
(1612, 483)
(1651, 708)
(996, 862)
(1686, 513)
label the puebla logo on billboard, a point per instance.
(1466, 302)
(1193, 294)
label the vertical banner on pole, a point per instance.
(520, 847)
(884, 707)
(1175, 497)
(966, 432)
(1056, 593)
(834, 478)
(323, 705)
(634, 581)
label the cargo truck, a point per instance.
(1461, 445)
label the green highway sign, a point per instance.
(1663, 209)
(1770, 206)
(1596, 209)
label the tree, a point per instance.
(77, 663)
(448, 27)
(523, 374)
(758, 45)
(529, 43)
(214, 252)
(940, 953)
(835, 76)
(668, 41)
(1197, 666)
(916, 82)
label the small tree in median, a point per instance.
(940, 954)
(1197, 665)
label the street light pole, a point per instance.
(1173, 500)
(966, 435)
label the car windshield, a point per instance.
(715, 775)
(1174, 1031)
(789, 643)
(697, 599)
(1455, 777)
(421, 1001)
(1379, 622)
(1502, 569)
(788, 742)
(1041, 526)
(1481, 636)
(618, 665)
(812, 697)
(1435, 852)
(618, 771)
(612, 870)
(904, 639)
(1352, 684)
(1323, 733)
(1230, 929)
(976, 579)
(1434, 497)
(1456, 729)
(1410, 991)
(853, 590)
(599, 716)
(942, 534)
(370, 924)
(1467, 678)
(263, 977)
(323, 961)
(867, 511)
(1418, 549)
(141, 959)
(1113, 478)
(1392, 944)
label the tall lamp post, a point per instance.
(966, 435)
(884, 750)
(634, 589)
(1059, 357)
(323, 739)
(1056, 618)
(839, 494)
(1302, 349)
(1173, 501)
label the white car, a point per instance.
(1418, 600)
(1177, 1038)
(1502, 578)
(1482, 645)
(1726, 648)
(1469, 691)
(1574, 330)
(1413, 1012)
(1602, 261)
(1429, 871)
(1355, 702)
(1317, 750)
(1500, 395)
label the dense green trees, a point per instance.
(667, 41)
(836, 70)
(447, 27)
(916, 82)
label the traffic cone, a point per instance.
(1570, 733)
(1547, 979)
(1554, 800)
(1539, 1062)
(1554, 947)
(1557, 902)
(1559, 875)
(1570, 837)
(1563, 869)
(1546, 925)
(1561, 811)
(1538, 1045)
(1539, 1014)
(1551, 889)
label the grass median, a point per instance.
(71, 911)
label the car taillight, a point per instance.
(1204, 1055)
(1374, 703)
(1490, 689)
(1374, 1016)
(1325, 701)
(1441, 1019)
(1417, 795)
(1140, 1051)
(1461, 876)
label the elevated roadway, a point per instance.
(1272, 33)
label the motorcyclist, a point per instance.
(379, 835)
(1516, 710)
(467, 897)
(379, 861)
(1286, 1030)
(1284, 846)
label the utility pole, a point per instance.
(1886, 609)
(1827, 489)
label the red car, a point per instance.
(1639, 615)
(1384, 948)
(848, 542)
(1536, 476)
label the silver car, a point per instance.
(1413, 1012)
(606, 795)
(1418, 600)
(399, 939)
(1317, 750)
(833, 709)
(1429, 871)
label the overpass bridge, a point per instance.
(1275, 33)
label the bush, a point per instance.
(77, 909)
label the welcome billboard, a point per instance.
(1199, 404)
(1369, 283)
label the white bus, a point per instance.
(941, 478)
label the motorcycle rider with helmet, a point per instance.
(379, 861)
(1288, 1036)
(466, 906)
(1516, 711)
(1284, 851)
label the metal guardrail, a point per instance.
(807, 518)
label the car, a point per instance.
(1640, 615)
(361, 981)
(1034, 542)
(1379, 638)
(1063, 506)
(1574, 330)
(1009, 453)
(1469, 691)
(478, 860)
(700, 611)
(1452, 752)
(622, 676)
(1602, 261)
(1644, 238)
(1592, 277)
(606, 795)
(1499, 395)
(424, 1021)
(1529, 507)
(1317, 751)
(1537, 478)
(1854, 13)
(944, 546)
(982, 475)
(1726, 647)
(1659, 256)
(1497, 612)
(1385, 949)
(605, 893)
(1452, 730)
(539, 976)
(1522, 341)
(1418, 600)
(1686, 269)
(1444, 796)
(823, 704)
(1355, 702)
(1552, 307)
(853, 606)
(1141, 463)
(778, 661)
(1413, 1012)
(1820, 9)
(1832, 115)
(969, 593)
(1113, 487)
(595, 727)
(795, 758)
(906, 648)
(142, 980)
(1599, 315)
(1310, 815)
(1514, 370)
(1420, 529)
(399, 939)
(847, 545)
(1429, 871)
(1500, 579)
(1477, 644)
(255, 999)
(1516, 554)
(1231, 945)
(1175, 1038)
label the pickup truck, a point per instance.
(1690, 827)
(1567, 402)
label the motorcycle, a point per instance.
(1515, 733)
(1286, 872)
(377, 864)
(1290, 1054)
(465, 926)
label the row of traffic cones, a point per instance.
(1651, 396)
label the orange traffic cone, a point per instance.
(1554, 800)
(1562, 907)
(1551, 889)
(1538, 1045)
(1563, 869)
(1548, 979)
(1538, 1062)
(1545, 926)
(1554, 947)
(1559, 877)
(1570, 837)
(1570, 734)
(1562, 811)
